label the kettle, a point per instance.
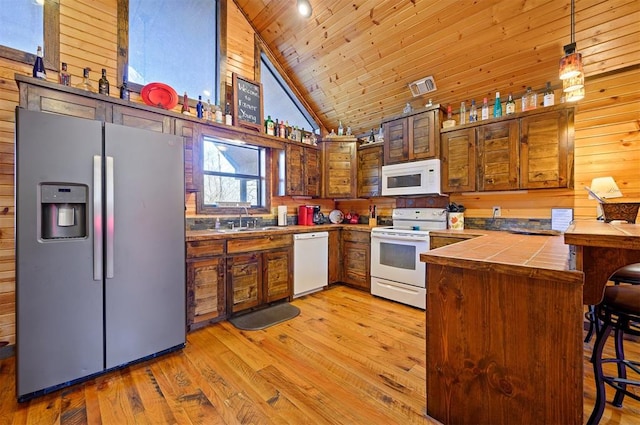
(318, 217)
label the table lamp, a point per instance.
(604, 187)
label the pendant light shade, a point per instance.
(570, 70)
(304, 8)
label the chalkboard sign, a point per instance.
(247, 99)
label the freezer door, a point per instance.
(58, 303)
(145, 297)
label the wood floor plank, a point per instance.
(348, 358)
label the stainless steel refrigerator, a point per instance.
(100, 253)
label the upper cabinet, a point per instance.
(529, 150)
(339, 166)
(412, 138)
(302, 170)
(369, 170)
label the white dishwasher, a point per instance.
(310, 262)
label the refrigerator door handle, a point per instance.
(110, 216)
(97, 217)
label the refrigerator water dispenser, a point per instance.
(63, 209)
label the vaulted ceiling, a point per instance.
(353, 59)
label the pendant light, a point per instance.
(304, 8)
(571, 72)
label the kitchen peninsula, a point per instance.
(505, 325)
(504, 330)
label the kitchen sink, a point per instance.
(246, 229)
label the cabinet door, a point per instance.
(277, 275)
(458, 160)
(189, 132)
(205, 297)
(294, 183)
(356, 264)
(335, 256)
(422, 136)
(340, 169)
(244, 277)
(48, 100)
(311, 172)
(132, 117)
(369, 169)
(497, 155)
(396, 141)
(546, 150)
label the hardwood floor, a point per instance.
(349, 358)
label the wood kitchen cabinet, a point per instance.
(259, 271)
(356, 248)
(339, 165)
(302, 170)
(335, 256)
(529, 150)
(458, 160)
(412, 138)
(205, 282)
(369, 170)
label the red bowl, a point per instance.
(160, 95)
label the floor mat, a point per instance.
(266, 317)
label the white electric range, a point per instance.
(396, 270)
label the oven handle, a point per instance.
(399, 238)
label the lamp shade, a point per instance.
(605, 187)
(573, 83)
(304, 8)
(574, 95)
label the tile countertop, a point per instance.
(504, 252)
(196, 235)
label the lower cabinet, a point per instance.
(356, 248)
(259, 271)
(205, 282)
(335, 256)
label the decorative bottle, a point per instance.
(227, 114)
(86, 82)
(473, 112)
(103, 83)
(529, 100)
(199, 108)
(548, 98)
(282, 130)
(208, 113)
(218, 114)
(64, 77)
(485, 109)
(185, 104)
(270, 126)
(340, 128)
(38, 66)
(497, 107)
(511, 105)
(463, 113)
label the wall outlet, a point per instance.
(497, 212)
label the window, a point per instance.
(175, 43)
(27, 24)
(233, 174)
(279, 101)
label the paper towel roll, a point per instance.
(282, 215)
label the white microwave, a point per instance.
(411, 178)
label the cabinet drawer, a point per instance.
(262, 243)
(356, 236)
(205, 248)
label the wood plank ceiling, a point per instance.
(353, 59)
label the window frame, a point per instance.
(51, 40)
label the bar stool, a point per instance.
(627, 274)
(619, 311)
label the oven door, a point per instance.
(396, 257)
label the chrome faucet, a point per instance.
(246, 212)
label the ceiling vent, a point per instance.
(422, 86)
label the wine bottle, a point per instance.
(199, 108)
(548, 99)
(124, 88)
(511, 105)
(64, 77)
(497, 107)
(38, 66)
(463, 113)
(185, 105)
(473, 112)
(103, 83)
(86, 82)
(485, 109)
(227, 114)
